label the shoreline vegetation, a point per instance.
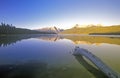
(114, 33)
(94, 30)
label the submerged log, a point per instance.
(97, 62)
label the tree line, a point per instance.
(10, 29)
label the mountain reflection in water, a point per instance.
(11, 39)
(94, 39)
(7, 40)
(54, 55)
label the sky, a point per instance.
(35, 14)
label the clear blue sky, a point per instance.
(60, 13)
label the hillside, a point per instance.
(94, 30)
(6, 29)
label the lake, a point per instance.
(51, 56)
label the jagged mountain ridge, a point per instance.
(49, 30)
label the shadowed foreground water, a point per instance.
(50, 56)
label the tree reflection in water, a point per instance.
(12, 39)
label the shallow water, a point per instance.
(51, 56)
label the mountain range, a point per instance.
(53, 30)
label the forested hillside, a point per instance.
(6, 29)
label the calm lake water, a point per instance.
(51, 56)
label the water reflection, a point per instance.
(38, 69)
(12, 39)
(94, 39)
(49, 50)
(50, 37)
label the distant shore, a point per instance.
(104, 34)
